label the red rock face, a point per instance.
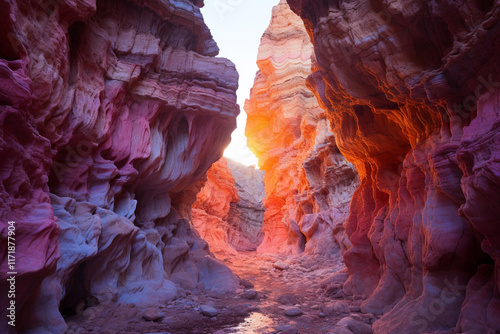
(211, 209)
(228, 211)
(412, 93)
(288, 132)
(247, 215)
(110, 113)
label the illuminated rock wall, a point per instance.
(412, 91)
(228, 211)
(308, 182)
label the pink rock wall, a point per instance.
(110, 112)
(412, 93)
(308, 182)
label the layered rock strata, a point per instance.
(412, 91)
(211, 209)
(246, 216)
(111, 111)
(308, 182)
(228, 211)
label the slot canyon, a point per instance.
(374, 208)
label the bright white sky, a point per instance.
(237, 26)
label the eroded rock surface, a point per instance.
(308, 182)
(227, 213)
(211, 209)
(246, 216)
(412, 91)
(111, 111)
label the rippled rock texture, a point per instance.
(228, 211)
(412, 91)
(308, 182)
(246, 217)
(111, 111)
(211, 209)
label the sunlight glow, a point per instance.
(237, 26)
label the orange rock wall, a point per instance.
(412, 91)
(228, 211)
(289, 134)
(211, 209)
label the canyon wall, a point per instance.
(308, 182)
(111, 111)
(211, 208)
(228, 211)
(412, 91)
(246, 216)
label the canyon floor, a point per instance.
(307, 288)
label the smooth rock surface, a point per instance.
(152, 314)
(293, 312)
(280, 265)
(208, 311)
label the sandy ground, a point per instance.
(307, 288)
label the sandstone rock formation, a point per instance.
(211, 209)
(308, 182)
(412, 91)
(228, 214)
(247, 215)
(110, 112)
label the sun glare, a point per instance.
(248, 21)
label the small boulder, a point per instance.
(354, 325)
(293, 312)
(250, 294)
(152, 314)
(336, 308)
(287, 299)
(208, 311)
(246, 284)
(280, 265)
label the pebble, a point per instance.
(354, 325)
(152, 314)
(250, 294)
(287, 299)
(336, 308)
(293, 312)
(280, 265)
(208, 311)
(246, 283)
